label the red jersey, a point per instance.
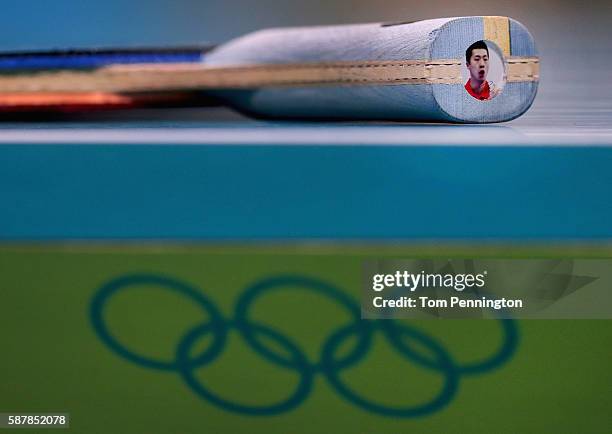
(485, 94)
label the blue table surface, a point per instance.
(207, 174)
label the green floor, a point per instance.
(557, 378)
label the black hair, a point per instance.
(475, 46)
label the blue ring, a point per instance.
(186, 370)
(111, 288)
(445, 395)
(506, 350)
(276, 283)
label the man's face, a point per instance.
(479, 64)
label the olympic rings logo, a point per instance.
(329, 365)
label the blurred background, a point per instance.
(572, 36)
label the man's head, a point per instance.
(477, 60)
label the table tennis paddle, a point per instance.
(412, 71)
